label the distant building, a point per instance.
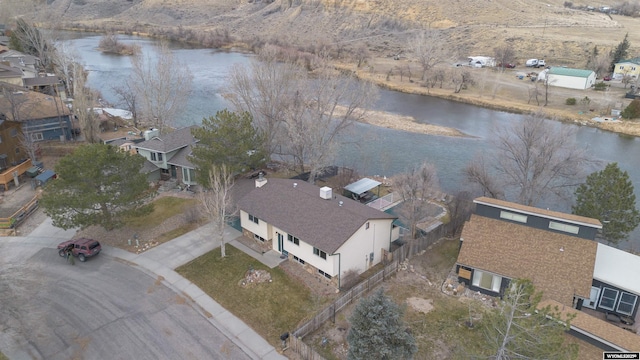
(571, 78)
(629, 67)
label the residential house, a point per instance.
(11, 152)
(630, 67)
(167, 155)
(503, 241)
(28, 64)
(10, 75)
(325, 233)
(43, 117)
(571, 78)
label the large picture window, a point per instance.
(486, 281)
(608, 298)
(627, 303)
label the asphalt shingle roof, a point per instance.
(169, 142)
(300, 211)
(558, 265)
(181, 158)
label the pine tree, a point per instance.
(96, 185)
(378, 332)
(608, 196)
(620, 53)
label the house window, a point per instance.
(153, 156)
(159, 156)
(320, 253)
(324, 274)
(258, 237)
(298, 260)
(627, 303)
(37, 136)
(563, 227)
(293, 239)
(487, 281)
(14, 132)
(254, 219)
(608, 299)
(513, 216)
(367, 226)
(621, 67)
(17, 150)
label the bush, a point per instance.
(600, 86)
(570, 101)
(632, 111)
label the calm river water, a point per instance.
(370, 150)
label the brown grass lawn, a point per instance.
(163, 209)
(271, 309)
(440, 333)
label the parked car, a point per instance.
(83, 248)
(607, 78)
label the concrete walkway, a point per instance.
(162, 260)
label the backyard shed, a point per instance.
(571, 78)
(43, 178)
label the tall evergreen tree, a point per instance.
(520, 329)
(620, 53)
(227, 138)
(608, 196)
(97, 185)
(378, 332)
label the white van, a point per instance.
(532, 63)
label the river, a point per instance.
(370, 150)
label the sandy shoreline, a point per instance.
(407, 123)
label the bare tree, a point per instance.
(462, 78)
(460, 208)
(532, 160)
(128, 99)
(162, 84)
(216, 200)
(264, 89)
(430, 49)
(67, 64)
(534, 93)
(416, 187)
(504, 55)
(35, 42)
(320, 110)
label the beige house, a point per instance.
(629, 67)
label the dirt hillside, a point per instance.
(542, 29)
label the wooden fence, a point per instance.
(329, 313)
(19, 216)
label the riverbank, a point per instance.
(506, 92)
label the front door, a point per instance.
(281, 244)
(592, 302)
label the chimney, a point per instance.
(325, 193)
(260, 181)
(151, 133)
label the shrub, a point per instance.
(570, 101)
(632, 111)
(600, 86)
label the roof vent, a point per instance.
(295, 184)
(326, 193)
(340, 203)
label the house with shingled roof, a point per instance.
(503, 241)
(168, 155)
(325, 233)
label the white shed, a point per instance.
(571, 78)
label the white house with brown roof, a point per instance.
(503, 241)
(326, 233)
(167, 155)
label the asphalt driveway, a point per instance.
(101, 309)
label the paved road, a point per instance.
(101, 309)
